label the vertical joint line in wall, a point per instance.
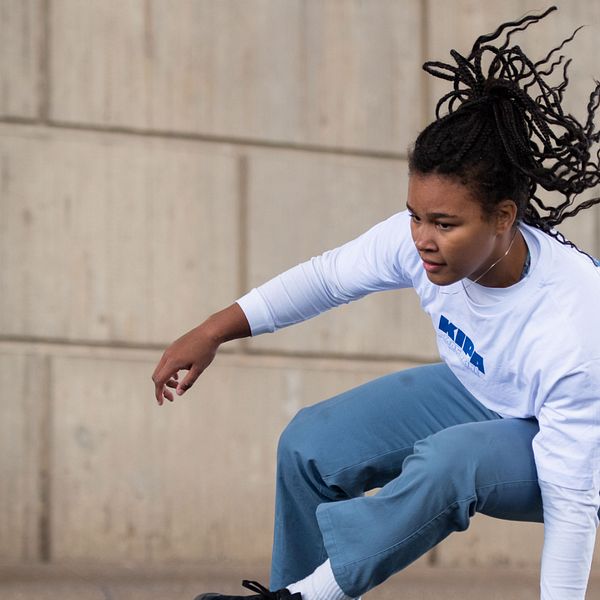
(425, 78)
(242, 258)
(45, 466)
(433, 557)
(149, 58)
(597, 235)
(243, 174)
(44, 64)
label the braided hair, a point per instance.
(501, 140)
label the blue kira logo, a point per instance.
(462, 342)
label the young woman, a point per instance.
(509, 423)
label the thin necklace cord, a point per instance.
(487, 270)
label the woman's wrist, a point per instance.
(226, 325)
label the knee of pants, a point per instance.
(305, 450)
(297, 440)
(445, 462)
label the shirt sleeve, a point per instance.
(370, 263)
(570, 522)
(567, 447)
(566, 451)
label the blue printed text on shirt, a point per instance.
(462, 342)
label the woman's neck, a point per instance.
(508, 268)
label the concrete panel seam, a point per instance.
(29, 121)
(44, 64)
(74, 343)
(368, 358)
(243, 178)
(45, 463)
(233, 141)
(597, 237)
(425, 77)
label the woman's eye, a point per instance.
(413, 217)
(445, 226)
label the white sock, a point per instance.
(319, 585)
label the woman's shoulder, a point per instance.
(563, 265)
(568, 289)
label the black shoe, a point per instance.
(262, 594)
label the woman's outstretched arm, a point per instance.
(364, 265)
(195, 350)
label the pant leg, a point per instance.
(485, 467)
(340, 448)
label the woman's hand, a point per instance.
(195, 350)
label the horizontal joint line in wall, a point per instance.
(373, 358)
(109, 344)
(231, 352)
(239, 141)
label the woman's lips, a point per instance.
(431, 267)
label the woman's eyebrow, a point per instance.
(434, 215)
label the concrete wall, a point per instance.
(158, 159)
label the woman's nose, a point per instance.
(423, 240)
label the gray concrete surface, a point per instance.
(88, 582)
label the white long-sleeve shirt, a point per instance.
(570, 522)
(527, 350)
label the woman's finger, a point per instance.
(188, 380)
(159, 366)
(160, 380)
(168, 395)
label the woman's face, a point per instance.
(454, 237)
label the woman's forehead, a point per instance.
(439, 195)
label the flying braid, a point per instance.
(502, 129)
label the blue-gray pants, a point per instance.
(438, 455)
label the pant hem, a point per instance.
(339, 572)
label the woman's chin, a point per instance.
(442, 279)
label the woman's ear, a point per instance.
(506, 215)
